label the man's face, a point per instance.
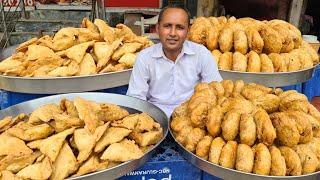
(173, 29)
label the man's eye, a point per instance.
(180, 28)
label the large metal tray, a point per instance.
(133, 105)
(226, 173)
(59, 85)
(278, 79)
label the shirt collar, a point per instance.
(185, 50)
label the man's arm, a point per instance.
(138, 84)
(209, 67)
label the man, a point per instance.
(166, 73)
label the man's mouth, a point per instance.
(172, 41)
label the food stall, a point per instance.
(250, 125)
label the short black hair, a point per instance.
(173, 6)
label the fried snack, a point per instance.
(193, 138)
(268, 102)
(278, 62)
(287, 39)
(62, 122)
(203, 147)
(314, 146)
(238, 86)
(181, 111)
(230, 125)
(12, 146)
(228, 154)
(125, 48)
(41, 170)
(309, 160)
(239, 62)
(147, 138)
(240, 41)
(128, 59)
(213, 124)
(91, 165)
(29, 133)
(304, 125)
(245, 158)
(51, 146)
(266, 133)
(103, 51)
(278, 163)
(112, 135)
(114, 112)
(212, 34)
(44, 113)
(262, 160)
(216, 54)
(228, 87)
(77, 52)
(255, 41)
(247, 129)
(215, 149)
(9, 175)
(89, 112)
(292, 61)
(106, 32)
(87, 65)
(125, 150)
(252, 91)
(272, 40)
(65, 164)
(266, 64)
(287, 131)
(225, 61)
(131, 121)
(198, 30)
(218, 88)
(254, 62)
(226, 39)
(293, 162)
(15, 163)
(84, 142)
(86, 23)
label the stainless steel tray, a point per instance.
(59, 85)
(278, 79)
(132, 104)
(232, 174)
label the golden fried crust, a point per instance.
(266, 64)
(215, 150)
(268, 102)
(203, 147)
(240, 41)
(225, 61)
(278, 62)
(194, 138)
(228, 87)
(216, 54)
(293, 162)
(287, 131)
(254, 62)
(214, 121)
(228, 154)
(239, 62)
(262, 160)
(272, 40)
(309, 160)
(226, 39)
(230, 125)
(266, 133)
(247, 129)
(278, 163)
(245, 158)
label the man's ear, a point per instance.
(157, 28)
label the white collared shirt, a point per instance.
(166, 83)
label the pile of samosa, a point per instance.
(72, 139)
(250, 128)
(93, 48)
(249, 45)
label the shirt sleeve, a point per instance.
(138, 84)
(209, 69)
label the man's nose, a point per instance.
(173, 31)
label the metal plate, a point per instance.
(226, 173)
(57, 85)
(278, 79)
(132, 104)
